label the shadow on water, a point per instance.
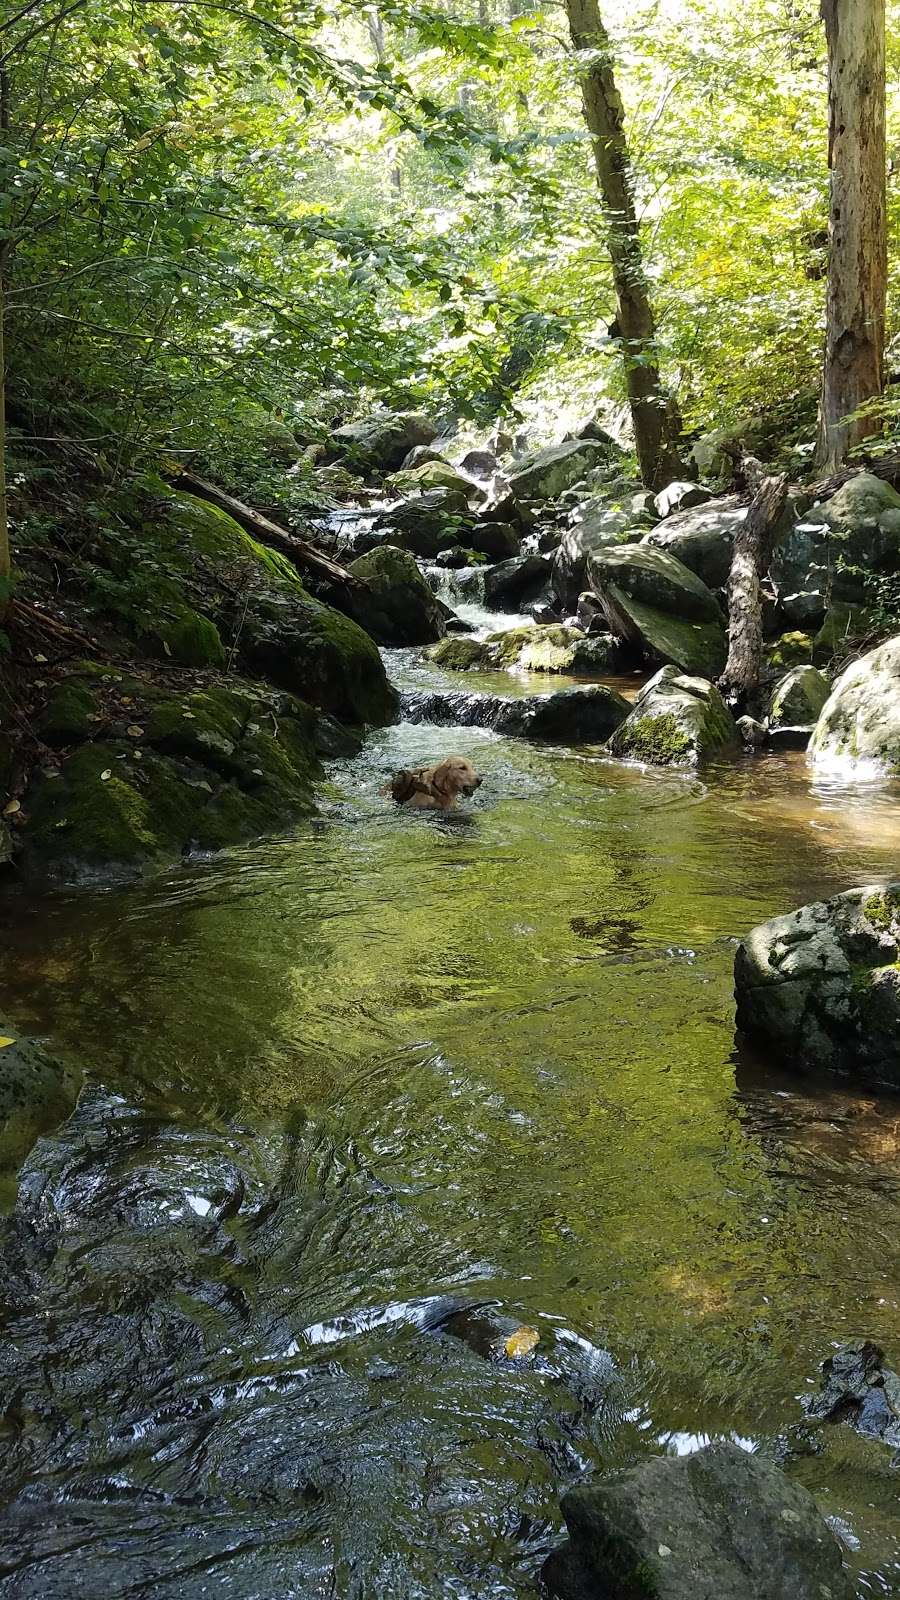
(360, 1095)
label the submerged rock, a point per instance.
(398, 606)
(552, 648)
(381, 442)
(570, 716)
(654, 603)
(675, 721)
(717, 1525)
(858, 731)
(859, 1389)
(821, 986)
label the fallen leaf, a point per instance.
(42, 659)
(40, 683)
(138, 755)
(4, 1041)
(522, 1342)
(11, 809)
(133, 731)
(106, 775)
(188, 716)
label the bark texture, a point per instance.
(857, 236)
(654, 420)
(753, 549)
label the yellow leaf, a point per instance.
(4, 1041)
(522, 1342)
(11, 809)
(133, 731)
(106, 775)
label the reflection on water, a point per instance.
(350, 1081)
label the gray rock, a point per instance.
(599, 525)
(398, 606)
(657, 605)
(279, 442)
(419, 455)
(857, 1388)
(481, 464)
(702, 538)
(544, 475)
(680, 496)
(798, 698)
(675, 721)
(845, 629)
(426, 524)
(37, 1091)
(382, 442)
(859, 527)
(858, 731)
(496, 540)
(753, 733)
(519, 580)
(821, 986)
(717, 1525)
(552, 648)
(436, 474)
(569, 716)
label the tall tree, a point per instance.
(655, 429)
(857, 264)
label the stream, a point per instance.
(358, 1092)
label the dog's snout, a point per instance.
(478, 782)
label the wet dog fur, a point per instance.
(435, 788)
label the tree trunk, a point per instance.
(857, 233)
(655, 438)
(753, 549)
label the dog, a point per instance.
(435, 788)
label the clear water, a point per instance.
(345, 1079)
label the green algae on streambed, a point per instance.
(344, 1079)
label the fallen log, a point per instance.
(304, 556)
(887, 467)
(754, 547)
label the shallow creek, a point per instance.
(344, 1081)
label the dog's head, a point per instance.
(456, 776)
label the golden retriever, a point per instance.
(435, 788)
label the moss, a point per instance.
(69, 714)
(199, 527)
(882, 910)
(791, 650)
(123, 820)
(659, 740)
(193, 641)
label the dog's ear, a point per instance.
(442, 780)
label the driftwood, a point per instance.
(754, 547)
(33, 620)
(304, 555)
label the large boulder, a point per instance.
(550, 648)
(426, 524)
(608, 524)
(821, 986)
(702, 538)
(381, 443)
(675, 721)
(657, 605)
(547, 473)
(797, 698)
(397, 606)
(522, 579)
(716, 1525)
(499, 541)
(680, 496)
(858, 731)
(172, 770)
(569, 716)
(827, 555)
(845, 630)
(435, 475)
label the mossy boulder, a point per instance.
(427, 523)
(397, 606)
(858, 731)
(381, 442)
(675, 721)
(71, 713)
(542, 648)
(583, 715)
(798, 698)
(172, 772)
(545, 474)
(844, 629)
(828, 555)
(821, 985)
(434, 475)
(255, 609)
(701, 536)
